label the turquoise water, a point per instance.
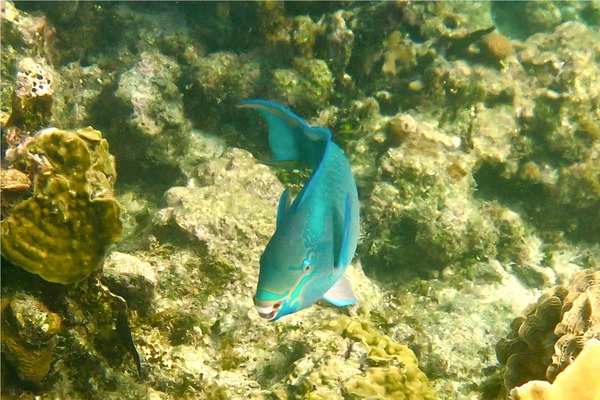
(473, 131)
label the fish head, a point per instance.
(292, 277)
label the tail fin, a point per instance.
(294, 143)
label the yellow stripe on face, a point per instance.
(274, 111)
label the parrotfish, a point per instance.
(316, 235)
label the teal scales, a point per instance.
(316, 234)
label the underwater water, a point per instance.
(138, 198)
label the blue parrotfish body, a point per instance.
(317, 233)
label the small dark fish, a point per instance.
(126, 339)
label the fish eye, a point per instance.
(307, 263)
(276, 305)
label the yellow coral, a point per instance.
(579, 381)
(395, 373)
(62, 231)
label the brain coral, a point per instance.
(63, 229)
(579, 381)
(550, 333)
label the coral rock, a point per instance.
(33, 79)
(62, 231)
(28, 336)
(496, 46)
(33, 95)
(132, 278)
(14, 186)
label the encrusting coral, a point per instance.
(579, 381)
(63, 229)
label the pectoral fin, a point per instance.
(284, 205)
(340, 294)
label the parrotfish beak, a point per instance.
(267, 309)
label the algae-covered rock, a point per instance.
(216, 75)
(132, 278)
(235, 188)
(424, 189)
(61, 232)
(306, 88)
(149, 89)
(153, 111)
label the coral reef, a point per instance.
(579, 381)
(473, 135)
(528, 349)
(550, 333)
(61, 232)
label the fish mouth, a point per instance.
(267, 311)
(267, 316)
